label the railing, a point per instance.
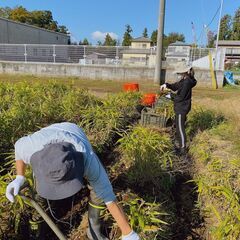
(94, 55)
(74, 54)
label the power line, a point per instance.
(206, 26)
(214, 16)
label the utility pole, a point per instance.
(219, 26)
(158, 66)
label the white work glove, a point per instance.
(131, 236)
(163, 87)
(14, 187)
(168, 96)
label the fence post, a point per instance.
(117, 55)
(54, 53)
(84, 54)
(25, 53)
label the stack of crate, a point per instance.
(150, 115)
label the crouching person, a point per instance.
(61, 156)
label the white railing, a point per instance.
(74, 54)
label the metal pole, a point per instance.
(219, 25)
(158, 65)
(25, 53)
(54, 53)
(47, 219)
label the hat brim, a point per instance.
(182, 70)
(58, 191)
(61, 190)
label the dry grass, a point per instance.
(225, 101)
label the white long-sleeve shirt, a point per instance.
(94, 172)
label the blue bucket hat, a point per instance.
(58, 169)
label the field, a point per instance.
(164, 196)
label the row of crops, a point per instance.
(158, 197)
(109, 124)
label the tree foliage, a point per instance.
(225, 28)
(38, 18)
(127, 36)
(84, 42)
(210, 38)
(236, 25)
(230, 27)
(172, 38)
(154, 37)
(109, 41)
(145, 33)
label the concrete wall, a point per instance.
(102, 72)
(19, 33)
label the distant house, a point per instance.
(232, 50)
(178, 52)
(12, 32)
(139, 53)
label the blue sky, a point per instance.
(93, 18)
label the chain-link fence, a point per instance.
(76, 54)
(98, 55)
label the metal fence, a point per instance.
(88, 55)
(197, 53)
(75, 54)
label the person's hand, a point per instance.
(163, 87)
(168, 96)
(131, 236)
(14, 187)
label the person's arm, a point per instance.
(120, 217)
(20, 167)
(173, 86)
(98, 179)
(13, 187)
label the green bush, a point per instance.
(147, 153)
(200, 119)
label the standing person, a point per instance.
(60, 156)
(182, 103)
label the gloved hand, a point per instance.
(163, 87)
(131, 236)
(14, 187)
(168, 96)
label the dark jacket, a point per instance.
(182, 100)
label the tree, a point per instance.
(236, 25)
(20, 14)
(62, 29)
(225, 28)
(211, 37)
(145, 33)
(84, 42)
(154, 37)
(42, 19)
(99, 43)
(173, 37)
(5, 12)
(127, 36)
(109, 41)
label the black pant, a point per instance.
(181, 137)
(57, 208)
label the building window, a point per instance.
(144, 45)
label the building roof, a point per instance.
(179, 43)
(32, 26)
(141, 39)
(229, 43)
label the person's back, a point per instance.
(183, 98)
